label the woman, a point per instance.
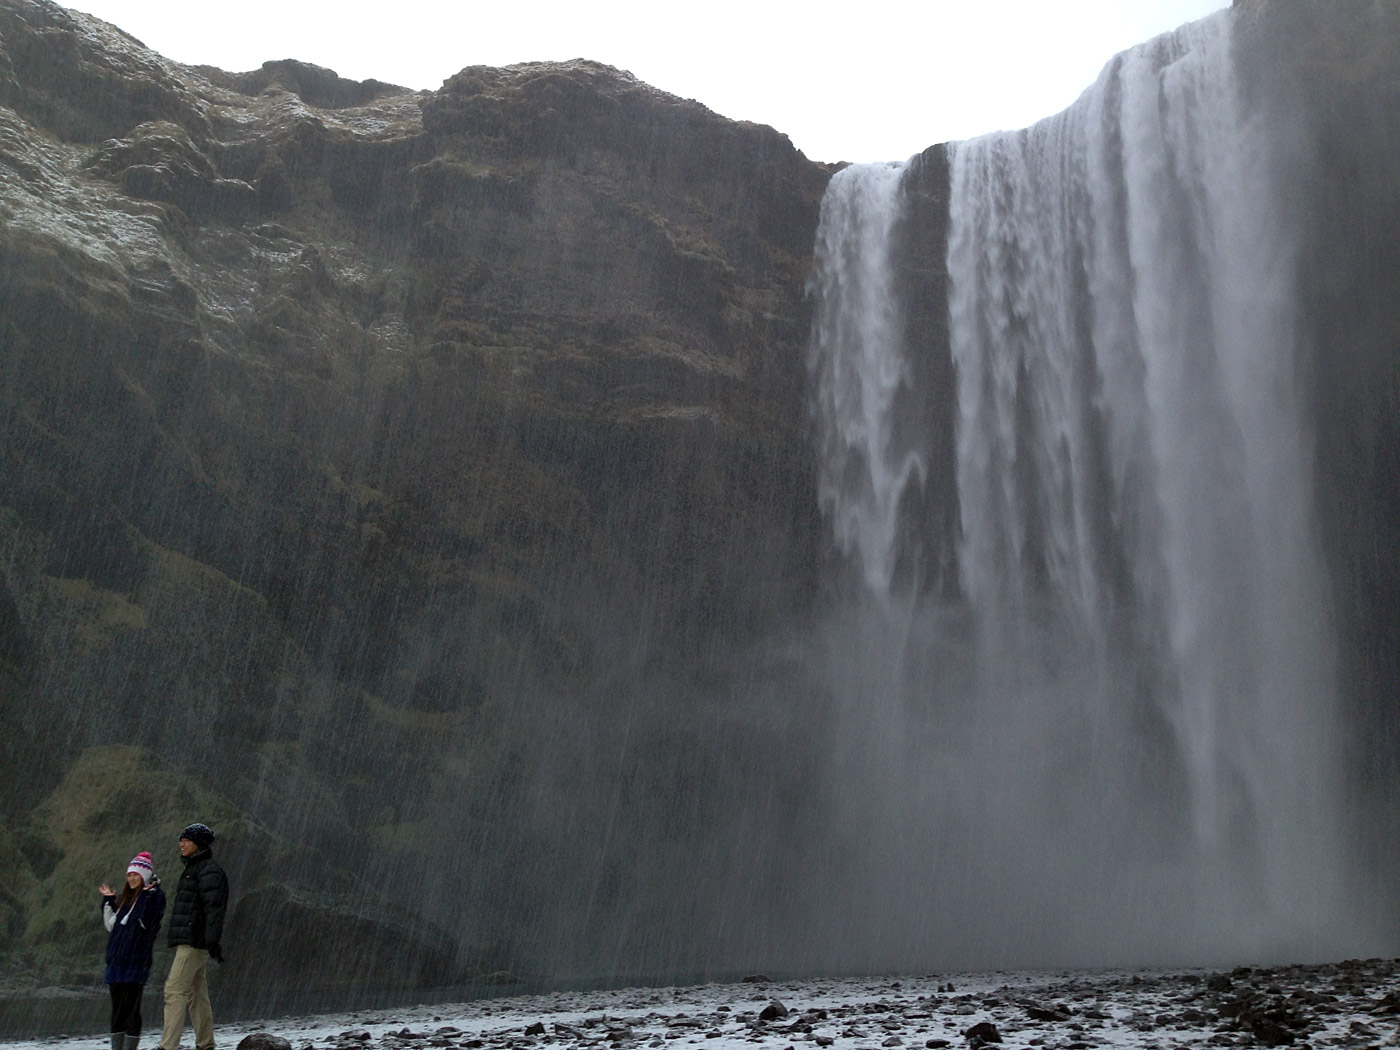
(132, 921)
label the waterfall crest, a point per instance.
(1123, 723)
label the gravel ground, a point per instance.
(1349, 1004)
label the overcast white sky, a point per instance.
(863, 80)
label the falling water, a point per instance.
(1116, 737)
(859, 369)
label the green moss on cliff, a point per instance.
(113, 801)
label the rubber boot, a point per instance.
(118, 1041)
(130, 1042)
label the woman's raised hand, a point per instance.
(105, 890)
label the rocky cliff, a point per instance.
(365, 452)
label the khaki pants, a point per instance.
(186, 988)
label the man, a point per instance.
(196, 927)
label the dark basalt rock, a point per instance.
(314, 85)
(160, 162)
(1053, 1012)
(982, 1032)
(325, 941)
(354, 439)
(1271, 1019)
(263, 1041)
(82, 79)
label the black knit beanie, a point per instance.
(200, 834)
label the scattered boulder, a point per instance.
(757, 978)
(1052, 1012)
(535, 1029)
(319, 937)
(773, 1011)
(983, 1032)
(263, 1041)
(1272, 1021)
(1360, 1031)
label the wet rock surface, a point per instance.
(1347, 1005)
(360, 449)
(263, 1041)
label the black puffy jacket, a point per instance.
(201, 898)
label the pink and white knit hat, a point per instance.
(143, 866)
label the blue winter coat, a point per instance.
(133, 937)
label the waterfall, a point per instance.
(858, 369)
(1117, 735)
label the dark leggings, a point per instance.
(126, 1008)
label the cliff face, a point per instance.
(362, 447)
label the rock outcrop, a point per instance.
(363, 450)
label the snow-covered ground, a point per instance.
(1351, 1004)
